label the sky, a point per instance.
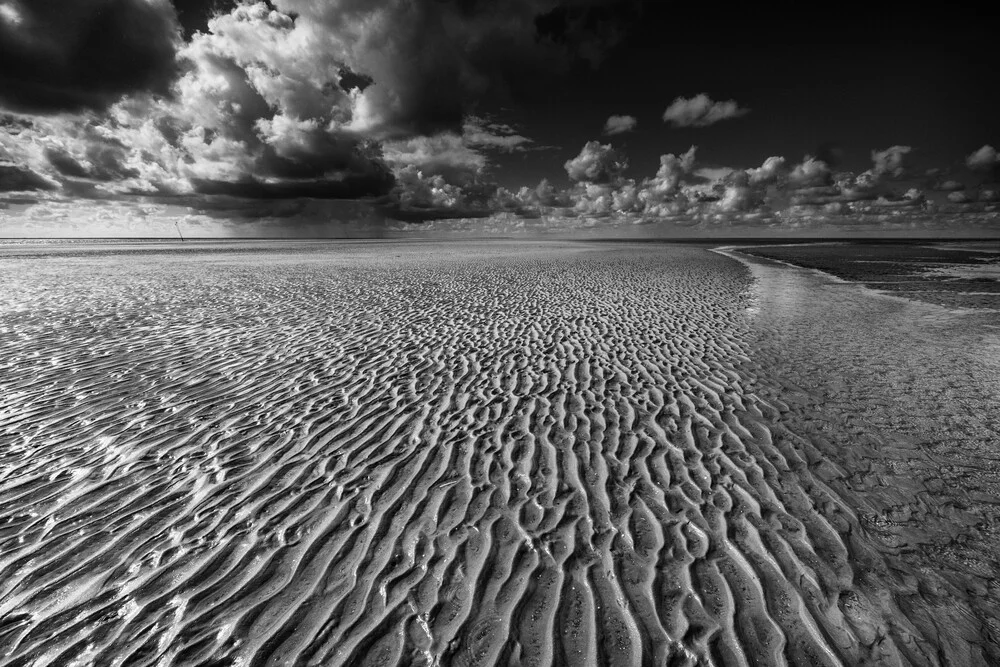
(337, 118)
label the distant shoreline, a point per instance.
(719, 241)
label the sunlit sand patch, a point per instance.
(443, 454)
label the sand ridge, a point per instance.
(530, 455)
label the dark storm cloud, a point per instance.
(283, 99)
(67, 55)
(317, 153)
(19, 201)
(105, 163)
(350, 187)
(422, 214)
(14, 125)
(426, 61)
(65, 164)
(278, 109)
(17, 179)
(226, 207)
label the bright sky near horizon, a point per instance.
(313, 118)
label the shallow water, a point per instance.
(903, 399)
(407, 453)
(957, 274)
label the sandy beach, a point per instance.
(503, 453)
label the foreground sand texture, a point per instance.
(450, 454)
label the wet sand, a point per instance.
(901, 398)
(504, 453)
(956, 274)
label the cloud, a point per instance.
(459, 158)
(620, 124)
(480, 132)
(302, 99)
(351, 186)
(593, 200)
(747, 190)
(769, 172)
(602, 192)
(983, 159)
(626, 199)
(959, 197)
(949, 186)
(429, 60)
(68, 55)
(738, 198)
(866, 181)
(682, 195)
(252, 115)
(258, 104)
(220, 217)
(275, 111)
(419, 197)
(889, 162)
(96, 156)
(20, 179)
(596, 163)
(668, 177)
(445, 154)
(65, 163)
(816, 195)
(101, 161)
(544, 195)
(701, 111)
(809, 173)
(715, 175)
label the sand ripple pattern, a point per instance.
(406, 454)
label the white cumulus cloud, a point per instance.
(701, 111)
(983, 159)
(596, 163)
(620, 124)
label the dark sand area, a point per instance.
(508, 453)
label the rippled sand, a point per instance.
(450, 454)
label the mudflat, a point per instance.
(527, 453)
